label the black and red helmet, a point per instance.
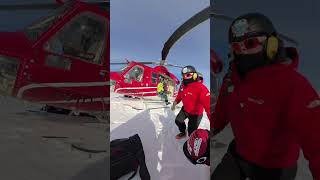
(250, 25)
(197, 147)
(188, 69)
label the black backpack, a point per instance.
(126, 156)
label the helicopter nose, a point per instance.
(8, 74)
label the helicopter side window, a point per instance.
(84, 37)
(136, 73)
(154, 78)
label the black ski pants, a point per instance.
(193, 124)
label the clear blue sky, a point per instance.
(298, 20)
(139, 29)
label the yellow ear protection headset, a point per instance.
(272, 47)
(195, 76)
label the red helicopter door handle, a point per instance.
(103, 72)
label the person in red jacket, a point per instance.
(273, 110)
(195, 97)
(178, 98)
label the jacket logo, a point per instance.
(257, 101)
(314, 104)
(230, 89)
(189, 93)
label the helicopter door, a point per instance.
(75, 57)
(170, 85)
(134, 80)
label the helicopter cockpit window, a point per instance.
(84, 37)
(35, 30)
(136, 73)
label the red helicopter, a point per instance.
(137, 79)
(61, 60)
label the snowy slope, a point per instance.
(25, 154)
(156, 128)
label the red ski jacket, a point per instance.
(195, 96)
(273, 113)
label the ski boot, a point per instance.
(181, 135)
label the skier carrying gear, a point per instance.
(197, 147)
(166, 90)
(194, 96)
(273, 110)
(162, 90)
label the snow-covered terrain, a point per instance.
(26, 154)
(156, 127)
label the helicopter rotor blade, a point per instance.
(119, 63)
(12, 7)
(141, 62)
(184, 28)
(173, 65)
(196, 20)
(220, 16)
(145, 62)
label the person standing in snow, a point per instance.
(273, 110)
(162, 90)
(166, 90)
(194, 96)
(200, 79)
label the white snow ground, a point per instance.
(156, 127)
(26, 155)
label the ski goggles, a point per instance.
(187, 75)
(244, 46)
